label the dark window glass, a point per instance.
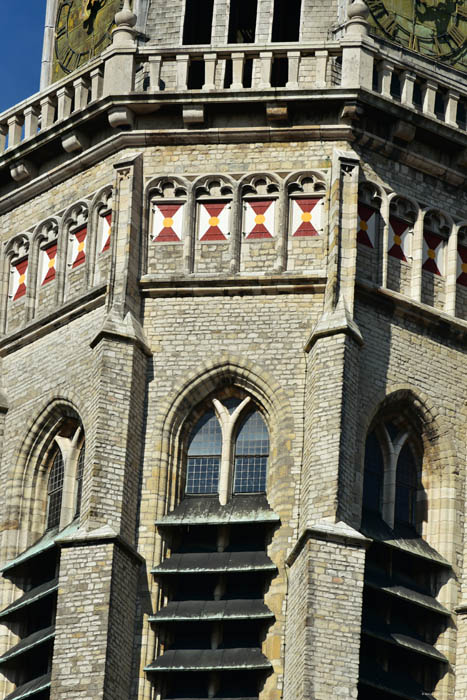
(197, 27)
(79, 479)
(251, 455)
(204, 456)
(406, 487)
(286, 20)
(242, 21)
(55, 491)
(373, 475)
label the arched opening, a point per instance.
(401, 617)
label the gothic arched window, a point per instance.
(204, 455)
(65, 480)
(373, 475)
(406, 487)
(401, 618)
(251, 455)
(228, 450)
(55, 490)
(391, 475)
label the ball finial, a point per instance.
(358, 10)
(125, 17)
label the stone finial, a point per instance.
(357, 13)
(124, 34)
(125, 17)
(358, 9)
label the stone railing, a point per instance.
(353, 63)
(247, 66)
(439, 99)
(46, 108)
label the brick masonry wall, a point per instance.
(324, 638)
(82, 623)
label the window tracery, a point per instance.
(401, 618)
(65, 481)
(228, 450)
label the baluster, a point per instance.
(81, 87)
(47, 112)
(321, 58)
(15, 128)
(266, 68)
(182, 72)
(407, 87)
(97, 83)
(210, 60)
(429, 97)
(293, 62)
(31, 121)
(238, 62)
(451, 108)
(64, 101)
(3, 133)
(155, 65)
(385, 72)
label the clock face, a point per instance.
(435, 28)
(82, 30)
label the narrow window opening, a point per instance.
(197, 27)
(251, 455)
(204, 456)
(79, 479)
(55, 491)
(286, 21)
(242, 21)
(406, 488)
(373, 475)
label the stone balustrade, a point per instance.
(228, 69)
(50, 106)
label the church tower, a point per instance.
(233, 322)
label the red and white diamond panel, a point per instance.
(47, 260)
(307, 216)
(433, 253)
(18, 280)
(214, 221)
(367, 221)
(399, 238)
(259, 218)
(462, 265)
(167, 223)
(104, 232)
(78, 247)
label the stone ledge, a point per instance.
(403, 306)
(194, 286)
(101, 535)
(339, 533)
(39, 327)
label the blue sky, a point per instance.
(20, 49)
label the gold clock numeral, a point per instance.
(377, 8)
(462, 12)
(413, 43)
(388, 23)
(456, 35)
